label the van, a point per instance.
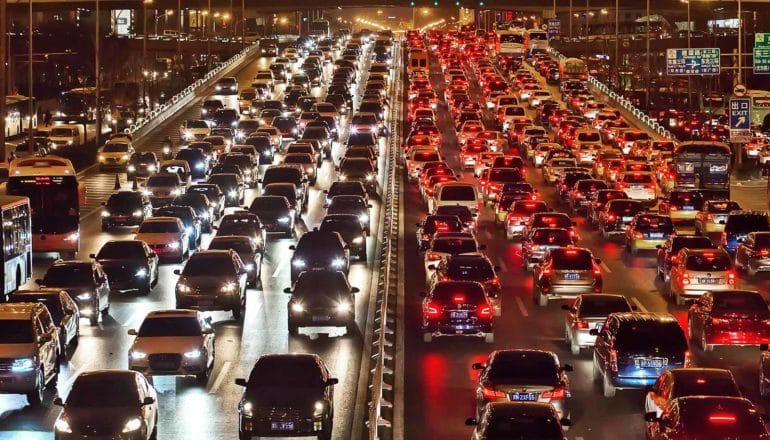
(67, 135)
(455, 194)
(418, 62)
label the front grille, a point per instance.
(5, 365)
(267, 413)
(165, 361)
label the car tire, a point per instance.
(596, 374)
(240, 309)
(146, 288)
(542, 300)
(105, 228)
(35, 397)
(427, 337)
(93, 320)
(244, 435)
(574, 348)
(202, 378)
(489, 338)
(608, 389)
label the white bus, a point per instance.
(16, 242)
(55, 197)
(510, 43)
(535, 41)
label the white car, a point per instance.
(173, 343)
(194, 130)
(445, 244)
(264, 77)
(639, 186)
(166, 236)
(468, 130)
(418, 156)
(538, 96)
(274, 133)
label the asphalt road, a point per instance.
(439, 383)
(189, 411)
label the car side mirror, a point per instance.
(148, 401)
(58, 401)
(565, 422)
(431, 267)
(598, 260)
(650, 417)
(658, 246)
(483, 247)
(634, 308)
(496, 268)
(567, 368)
(354, 290)
(722, 222)
(764, 347)
(132, 332)
(332, 381)
(478, 366)
(38, 281)
(177, 272)
(92, 256)
(566, 307)
(593, 332)
(470, 421)
(287, 290)
(240, 381)
(369, 206)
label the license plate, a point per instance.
(627, 219)
(656, 235)
(688, 207)
(282, 426)
(523, 397)
(598, 326)
(319, 318)
(708, 280)
(571, 276)
(651, 363)
(459, 315)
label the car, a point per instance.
(142, 164)
(668, 250)
(194, 129)
(523, 375)
(457, 308)
(214, 195)
(114, 154)
(305, 161)
(173, 343)
(683, 382)
(197, 161)
(166, 236)
(681, 205)
(470, 267)
(350, 229)
(351, 204)
(85, 282)
(125, 208)
(213, 280)
(319, 250)
(739, 224)
(275, 214)
(550, 219)
(129, 410)
(190, 221)
(712, 216)
(359, 169)
(633, 348)
(539, 241)
(518, 216)
(321, 298)
(617, 215)
(736, 317)
(288, 174)
(30, 350)
(445, 244)
(553, 168)
(647, 231)
(638, 186)
(129, 265)
(493, 179)
(598, 200)
(162, 187)
(201, 209)
(518, 420)
(697, 271)
(289, 191)
(433, 224)
(579, 196)
(566, 273)
(588, 312)
(63, 310)
(248, 250)
(709, 417)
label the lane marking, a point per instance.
(220, 377)
(520, 303)
(638, 304)
(488, 234)
(281, 265)
(605, 267)
(503, 266)
(68, 383)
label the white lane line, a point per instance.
(520, 303)
(281, 265)
(488, 234)
(503, 267)
(638, 304)
(605, 267)
(220, 377)
(68, 383)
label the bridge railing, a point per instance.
(622, 102)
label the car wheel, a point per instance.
(240, 309)
(146, 288)
(94, 319)
(608, 389)
(35, 397)
(596, 374)
(489, 338)
(542, 300)
(244, 435)
(427, 337)
(362, 255)
(202, 378)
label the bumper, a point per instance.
(207, 303)
(569, 291)
(682, 215)
(647, 244)
(697, 290)
(17, 383)
(166, 252)
(634, 381)
(713, 227)
(716, 337)
(264, 427)
(759, 264)
(117, 436)
(473, 330)
(514, 230)
(127, 220)
(583, 338)
(54, 243)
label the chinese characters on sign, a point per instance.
(693, 61)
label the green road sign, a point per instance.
(762, 60)
(762, 39)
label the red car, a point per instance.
(735, 317)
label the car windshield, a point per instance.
(523, 368)
(637, 178)
(747, 223)
(341, 223)
(69, 275)
(201, 264)
(723, 206)
(124, 199)
(454, 245)
(156, 180)
(159, 227)
(644, 335)
(224, 180)
(523, 427)
(288, 372)
(114, 147)
(16, 331)
(705, 385)
(88, 391)
(591, 306)
(286, 174)
(197, 124)
(269, 203)
(179, 326)
(242, 247)
(470, 269)
(121, 250)
(708, 262)
(572, 259)
(655, 223)
(504, 175)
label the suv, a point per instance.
(29, 350)
(125, 208)
(213, 280)
(319, 250)
(696, 271)
(632, 349)
(739, 224)
(64, 312)
(85, 282)
(321, 298)
(566, 273)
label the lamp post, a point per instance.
(98, 74)
(164, 16)
(617, 44)
(689, 45)
(649, 72)
(144, 36)
(31, 105)
(208, 36)
(3, 78)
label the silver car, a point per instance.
(589, 312)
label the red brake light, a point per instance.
(547, 270)
(433, 311)
(458, 299)
(491, 393)
(685, 279)
(730, 278)
(555, 394)
(570, 252)
(485, 311)
(722, 418)
(581, 324)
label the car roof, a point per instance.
(172, 313)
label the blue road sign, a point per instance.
(554, 28)
(740, 114)
(700, 61)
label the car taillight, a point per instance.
(611, 217)
(673, 208)
(597, 271)
(724, 239)
(484, 311)
(433, 311)
(685, 279)
(491, 393)
(613, 361)
(716, 322)
(731, 278)
(555, 394)
(534, 247)
(687, 359)
(621, 186)
(433, 256)
(581, 324)
(547, 271)
(651, 186)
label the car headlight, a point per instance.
(219, 88)
(176, 192)
(198, 166)
(105, 213)
(297, 308)
(363, 218)
(84, 296)
(298, 263)
(183, 288)
(369, 177)
(194, 354)
(101, 158)
(343, 307)
(147, 192)
(249, 266)
(248, 409)
(284, 220)
(166, 150)
(232, 194)
(138, 213)
(69, 142)
(124, 157)
(343, 177)
(358, 240)
(63, 426)
(229, 287)
(188, 134)
(174, 245)
(131, 168)
(338, 263)
(132, 424)
(135, 354)
(318, 408)
(141, 273)
(23, 364)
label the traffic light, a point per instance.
(481, 3)
(411, 4)
(435, 3)
(457, 3)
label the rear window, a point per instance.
(551, 237)
(685, 198)
(470, 269)
(603, 306)
(463, 193)
(695, 385)
(643, 336)
(723, 207)
(506, 175)
(733, 419)
(572, 259)
(472, 293)
(523, 368)
(637, 178)
(655, 223)
(552, 221)
(454, 245)
(708, 262)
(635, 136)
(739, 301)
(528, 208)
(426, 156)
(589, 137)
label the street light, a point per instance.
(144, 33)
(689, 79)
(164, 15)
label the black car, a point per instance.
(190, 221)
(231, 186)
(322, 135)
(213, 193)
(261, 142)
(85, 282)
(248, 167)
(201, 205)
(276, 214)
(436, 223)
(288, 191)
(244, 223)
(350, 229)
(457, 308)
(129, 264)
(360, 169)
(319, 250)
(213, 280)
(246, 248)
(125, 208)
(345, 204)
(196, 159)
(321, 298)
(340, 187)
(288, 174)
(142, 164)
(287, 394)
(287, 125)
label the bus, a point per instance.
(17, 115)
(320, 29)
(702, 165)
(55, 197)
(79, 105)
(535, 41)
(16, 242)
(510, 43)
(760, 107)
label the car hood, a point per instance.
(283, 396)
(206, 283)
(167, 344)
(99, 420)
(157, 237)
(16, 351)
(116, 264)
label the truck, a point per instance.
(573, 68)
(702, 165)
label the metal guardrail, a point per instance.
(161, 113)
(622, 102)
(381, 373)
